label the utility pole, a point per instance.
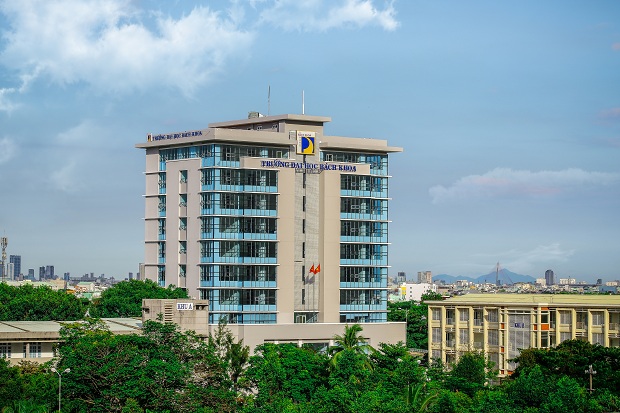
(591, 372)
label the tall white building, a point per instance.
(270, 220)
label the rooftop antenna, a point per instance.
(497, 274)
(269, 100)
(303, 103)
(4, 241)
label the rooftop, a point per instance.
(537, 299)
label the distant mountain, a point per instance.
(505, 276)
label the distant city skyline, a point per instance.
(508, 113)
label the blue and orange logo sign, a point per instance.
(305, 142)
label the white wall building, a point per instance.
(411, 291)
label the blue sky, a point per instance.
(508, 113)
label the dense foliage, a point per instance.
(125, 298)
(28, 303)
(165, 370)
(415, 315)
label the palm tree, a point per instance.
(350, 340)
(418, 398)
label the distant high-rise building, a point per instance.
(10, 271)
(549, 277)
(16, 260)
(401, 277)
(31, 274)
(131, 276)
(67, 276)
(425, 277)
(41, 273)
(49, 272)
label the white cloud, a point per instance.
(524, 261)
(117, 48)
(504, 182)
(77, 155)
(65, 178)
(87, 133)
(6, 105)
(8, 149)
(321, 15)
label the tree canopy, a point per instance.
(125, 298)
(28, 303)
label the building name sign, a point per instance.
(152, 138)
(185, 306)
(308, 167)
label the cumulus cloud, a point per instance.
(8, 149)
(504, 182)
(322, 15)
(115, 47)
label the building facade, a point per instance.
(549, 277)
(16, 260)
(425, 277)
(415, 291)
(270, 220)
(35, 341)
(501, 325)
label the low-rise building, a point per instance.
(415, 291)
(501, 325)
(36, 340)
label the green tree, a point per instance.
(525, 391)
(567, 396)
(28, 303)
(571, 358)
(233, 353)
(469, 374)
(161, 370)
(10, 384)
(415, 315)
(285, 371)
(350, 340)
(125, 298)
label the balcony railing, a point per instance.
(449, 321)
(581, 325)
(478, 321)
(614, 326)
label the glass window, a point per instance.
(464, 336)
(5, 350)
(464, 314)
(597, 318)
